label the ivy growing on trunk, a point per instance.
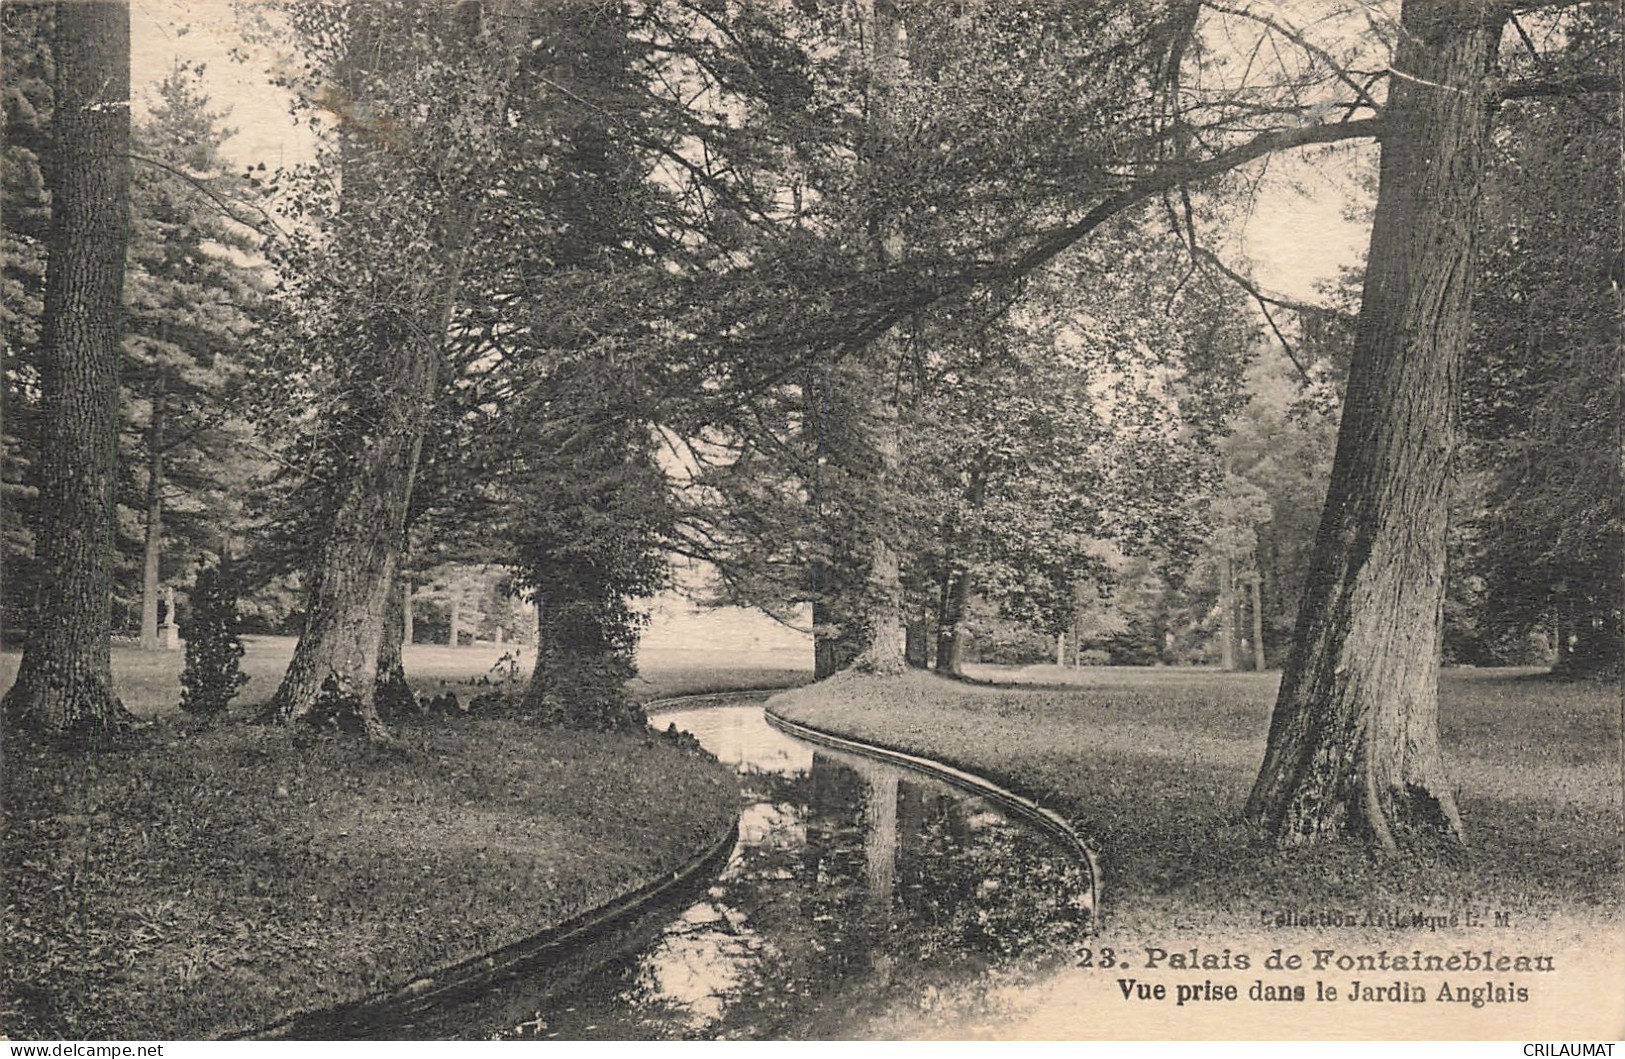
(214, 648)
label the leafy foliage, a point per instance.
(24, 222)
(1543, 541)
(214, 647)
(589, 525)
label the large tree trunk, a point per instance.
(579, 678)
(884, 649)
(883, 653)
(152, 552)
(336, 659)
(1354, 740)
(64, 682)
(834, 431)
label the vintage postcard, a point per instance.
(567, 520)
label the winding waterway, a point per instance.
(861, 900)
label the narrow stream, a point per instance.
(862, 900)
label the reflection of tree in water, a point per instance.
(898, 887)
(855, 890)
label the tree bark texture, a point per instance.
(391, 694)
(64, 681)
(884, 650)
(917, 643)
(152, 553)
(1354, 741)
(841, 428)
(883, 654)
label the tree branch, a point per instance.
(226, 206)
(1264, 302)
(1361, 92)
(1170, 176)
(1051, 244)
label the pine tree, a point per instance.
(193, 287)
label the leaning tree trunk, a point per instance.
(334, 672)
(1354, 740)
(64, 681)
(336, 659)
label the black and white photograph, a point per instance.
(784, 520)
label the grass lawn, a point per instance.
(193, 881)
(1154, 768)
(149, 682)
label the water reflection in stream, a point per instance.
(860, 896)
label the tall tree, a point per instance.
(421, 91)
(1354, 739)
(64, 683)
(190, 295)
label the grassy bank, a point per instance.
(1154, 768)
(192, 881)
